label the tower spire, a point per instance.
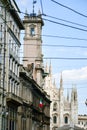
(50, 69)
(67, 94)
(54, 83)
(46, 68)
(61, 81)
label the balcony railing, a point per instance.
(13, 75)
(14, 55)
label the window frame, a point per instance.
(54, 119)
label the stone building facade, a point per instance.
(33, 60)
(63, 110)
(19, 92)
(82, 121)
(10, 26)
(30, 115)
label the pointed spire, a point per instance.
(50, 68)
(74, 93)
(46, 68)
(26, 12)
(67, 94)
(61, 81)
(39, 12)
(54, 83)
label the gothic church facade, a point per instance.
(63, 110)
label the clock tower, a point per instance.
(33, 45)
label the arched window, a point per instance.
(54, 119)
(32, 31)
(55, 106)
(66, 120)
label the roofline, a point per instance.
(8, 5)
(16, 5)
(17, 18)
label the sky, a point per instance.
(64, 37)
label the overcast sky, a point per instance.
(64, 45)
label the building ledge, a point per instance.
(12, 98)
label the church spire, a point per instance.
(26, 12)
(74, 93)
(67, 94)
(46, 67)
(50, 68)
(61, 81)
(54, 83)
(39, 12)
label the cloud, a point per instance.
(74, 75)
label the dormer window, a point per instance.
(32, 31)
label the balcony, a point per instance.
(14, 55)
(14, 99)
(13, 75)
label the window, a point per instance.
(12, 119)
(0, 32)
(1, 9)
(78, 122)
(55, 107)
(0, 57)
(66, 120)
(32, 31)
(55, 119)
(23, 123)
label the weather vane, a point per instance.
(34, 2)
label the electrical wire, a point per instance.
(52, 58)
(57, 36)
(66, 25)
(64, 37)
(53, 45)
(58, 58)
(76, 85)
(60, 23)
(64, 20)
(69, 8)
